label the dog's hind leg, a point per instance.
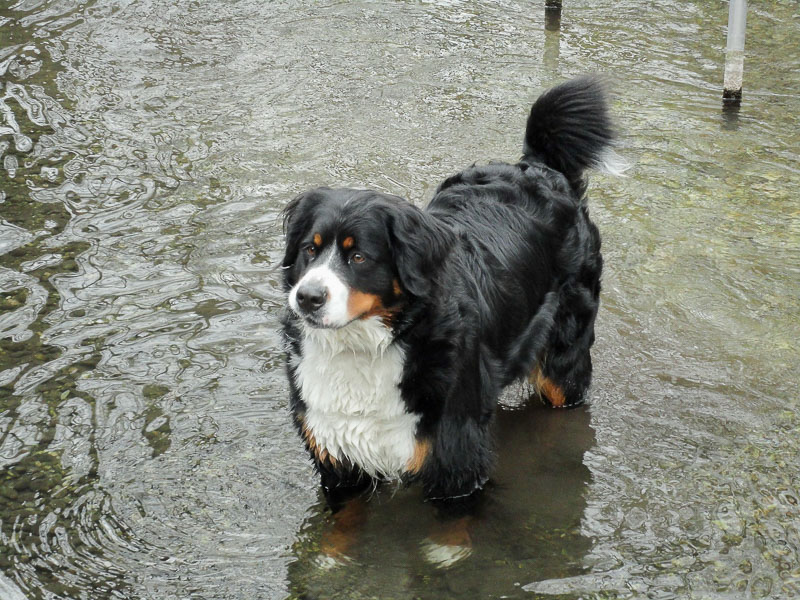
(564, 371)
(563, 387)
(546, 388)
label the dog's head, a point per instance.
(355, 254)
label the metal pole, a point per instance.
(734, 51)
(552, 15)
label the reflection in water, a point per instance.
(527, 525)
(730, 115)
(551, 52)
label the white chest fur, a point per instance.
(349, 380)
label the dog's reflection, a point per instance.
(524, 526)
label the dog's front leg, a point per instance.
(451, 540)
(448, 543)
(348, 520)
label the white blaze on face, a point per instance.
(334, 313)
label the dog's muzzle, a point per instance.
(321, 298)
(311, 297)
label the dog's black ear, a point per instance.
(297, 218)
(420, 245)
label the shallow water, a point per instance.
(146, 150)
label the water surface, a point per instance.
(146, 150)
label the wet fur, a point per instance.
(498, 279)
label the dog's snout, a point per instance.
(310, 297)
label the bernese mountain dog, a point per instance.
(404, 325)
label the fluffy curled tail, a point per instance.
(569, 129)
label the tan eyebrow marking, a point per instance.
(348, 242)
(317, 239)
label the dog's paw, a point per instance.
(327, 562)
(443, 556)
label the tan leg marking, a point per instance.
(454, 533)
(347, 523)
(321, 454)
(421, 450)
(546, 387)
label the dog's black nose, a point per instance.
(310, 297)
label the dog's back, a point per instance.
(530, 250)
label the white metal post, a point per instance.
(734, 50)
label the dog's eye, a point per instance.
(311, 250)
(357, 258)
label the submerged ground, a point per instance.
(146, 150)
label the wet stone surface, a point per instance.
(146, 150)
